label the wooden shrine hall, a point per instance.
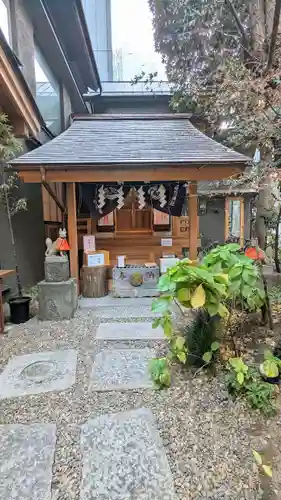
(132, 153)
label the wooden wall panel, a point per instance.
(51, 211)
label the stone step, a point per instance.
(26, 459)
(120, 312)
(38, 372)
(122, 369)
(110, 301)
(124, 459)
(129, 331)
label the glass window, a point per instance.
(47, 94)
(4, 20)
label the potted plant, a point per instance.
(270, 368)
(9, 147)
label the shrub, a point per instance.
(200, 335)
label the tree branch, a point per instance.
(239, 25)
(275, 25)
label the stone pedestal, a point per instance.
(56, 268)
(135, 281)
(57, 300)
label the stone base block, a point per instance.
(57, 300)
(135, 281)
(56, 268)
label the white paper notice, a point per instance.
(166, 242)
(96, 259)
(89, 243)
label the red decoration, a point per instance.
(252, 253)
(62, 245)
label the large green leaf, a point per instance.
(215, 346)
(156, 322)
(207, 356)
(162, 304)
(235, 271)
(164, 283)
(247, 291)
(198, 297)
(270, 368)
(181, 356)
(223, 311)
(183, 294)
(238, 365)
(179, 342)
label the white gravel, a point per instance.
(208, 438)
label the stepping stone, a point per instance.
(121, 369)
(38, 372)
(122, 312)
(129, 331)
(26, 459)
(109, 301)
(124, 459)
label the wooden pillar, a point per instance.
(72, 230)
(193, 219)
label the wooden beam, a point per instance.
(226, 218)
(16, 93)
(51, 192)
(193, 220)
(72, 230)
(138, 173)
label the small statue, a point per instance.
(60, 245)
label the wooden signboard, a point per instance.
(181, 226)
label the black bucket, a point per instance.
(19, 309)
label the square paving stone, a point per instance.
(38, 372)
(120, 312)
(26, 459)
(129, 331)
(124, 459)
(121, 369)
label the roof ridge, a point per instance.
(131, 116)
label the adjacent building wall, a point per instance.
(211, 224)
(23, 41)
(98, 17)
(29, 235)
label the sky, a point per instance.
(132, 32)
(4, 25)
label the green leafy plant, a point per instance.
(260, 395)
(160, 372)
(265, 468)
(208, 356)
(240, 369)
(244, 380)
(271, 365)
(244, 285)
(178, 349)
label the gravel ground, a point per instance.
(208, 438)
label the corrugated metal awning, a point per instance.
(131, 140)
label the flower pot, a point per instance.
(19, 309)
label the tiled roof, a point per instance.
(131, 139)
